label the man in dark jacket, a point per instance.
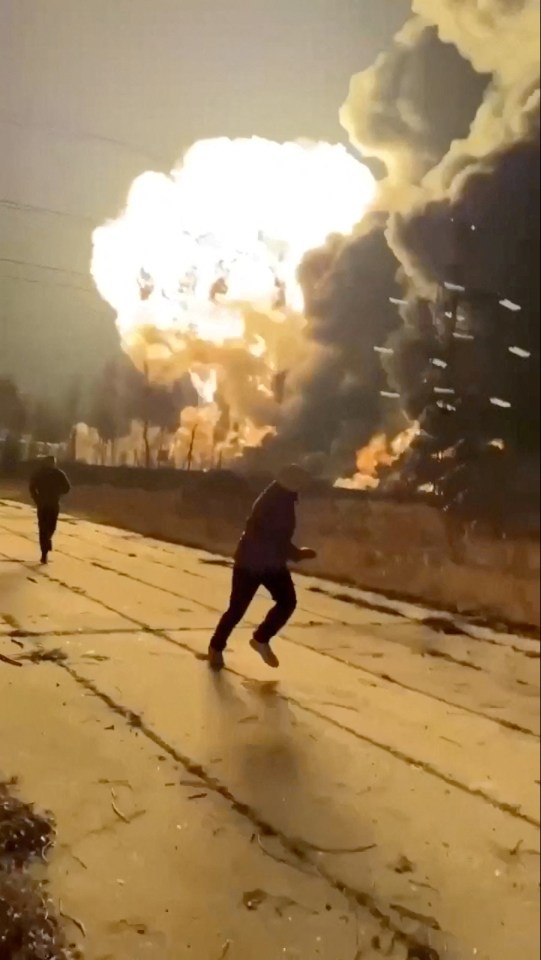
(261, 559)
(47, 486)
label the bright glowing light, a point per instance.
(226, 229)
(509, 305)
(379, 452)
(201, 270)
(205, 384)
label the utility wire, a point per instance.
(83, 135)
(32, 208)
(44, 266)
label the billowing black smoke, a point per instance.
(451, 114)
(332, 399)
(467, 366)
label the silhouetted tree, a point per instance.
(13, 408)
(153, 406)
(46, 422)
(109, 408)
(123, 394)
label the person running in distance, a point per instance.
(47, 485)
(261, 560)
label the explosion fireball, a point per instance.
(195, 252)
(201, 269)
(252, 273)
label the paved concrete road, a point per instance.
(379, 797)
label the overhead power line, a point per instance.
(45, 266)
(84, 136)
(48, 283)
(48, 211)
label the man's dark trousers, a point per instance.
(47, 523)
(246, 583)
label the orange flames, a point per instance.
(380, 452)
(201, 267)
(223, 234)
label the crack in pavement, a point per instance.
(296, 848)
(23, 634)
(386, 678)
(339, 597)
(146, 583)
(510, 809)
(442, 655)
(402, 618)
(457, 621)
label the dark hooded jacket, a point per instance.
(267, 541)
(48, 485)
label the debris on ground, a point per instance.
(254, 899)
(29, 928)
(74, 920)
(46, 656)
(9, 661)
(404, 865)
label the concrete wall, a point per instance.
(408, 549)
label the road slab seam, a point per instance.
(386, 678)
(428, 768)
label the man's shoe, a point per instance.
(216, 660)
(266, 653)
(44, 559)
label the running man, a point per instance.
(47, 486)
(261, 560)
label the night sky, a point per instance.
(94, 93)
